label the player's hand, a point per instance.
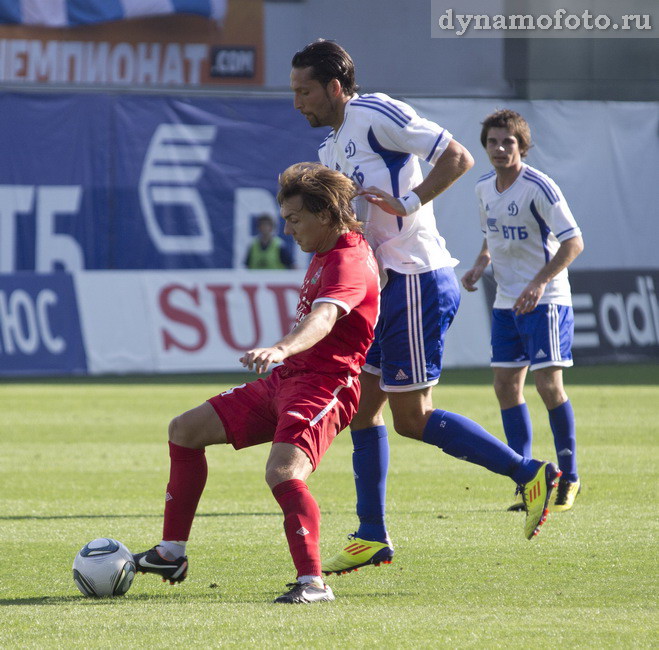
(260, 359)
(529, 298)
(470, 278)
(384, 201)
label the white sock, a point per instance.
(172, 550)
(316, 579)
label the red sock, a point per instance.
(187, 477)
(301, 524)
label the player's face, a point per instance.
(503, 148)
(311, 232)
(312, 99)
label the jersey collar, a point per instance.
(521, 172)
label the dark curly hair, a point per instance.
(327, 60)
(514, 122)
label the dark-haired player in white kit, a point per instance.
(377, 142)
(531, 238)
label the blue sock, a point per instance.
(465, 439)
(518, 428)
(563, 426)
(370, 461)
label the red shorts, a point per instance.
(304, 409)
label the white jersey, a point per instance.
(524, 226)
(380, 143)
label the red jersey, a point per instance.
(346, 275)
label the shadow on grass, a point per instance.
(429, 513)
(264, 598)
(151, 516)
(106, 602)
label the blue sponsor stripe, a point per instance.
(542, 182)
(394, 160)
(544, 229)
(381, 108)
(432, 151)
(390, 105)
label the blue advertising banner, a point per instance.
(181, 167)
(55, 182)
(40, 326)
(96, 182)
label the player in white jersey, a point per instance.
(377, 142)
(531, 238)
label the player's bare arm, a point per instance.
(453, 163)
(315, 326)
(529, 298)
(474, 274)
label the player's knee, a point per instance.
(410, 425)
(180, 434)
(550, 388)
(366, 421)
(507, 390)
(552, 396)
(276, 474)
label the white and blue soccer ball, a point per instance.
(103, 567)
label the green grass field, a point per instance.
(87, 458)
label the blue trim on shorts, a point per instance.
(416, 311)
(539, 338)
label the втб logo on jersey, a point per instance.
(492, 225)
(513, 210)
(350, 149)
(173, 165)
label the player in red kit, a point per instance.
(305, 402)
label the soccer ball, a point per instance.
(103, 567)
